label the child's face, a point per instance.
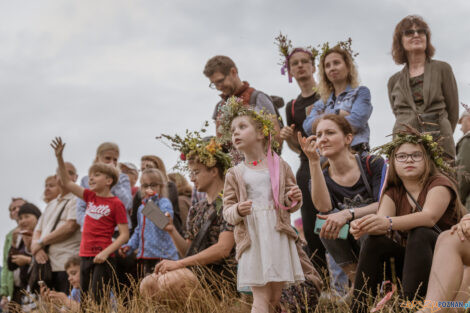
(109, 157)
(74, 275)
(149, 185)
(244, 133)
(98, 182)
(27, 221)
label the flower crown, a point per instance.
(411, 135)
(192, 146)
(233, 108)
(345, 45)
(286, 50)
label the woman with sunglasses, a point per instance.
(419, 201)
(424, 93)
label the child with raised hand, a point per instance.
(152, 243)
(266, 250)
(104, 212)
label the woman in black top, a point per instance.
(346, 188)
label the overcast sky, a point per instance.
(126, 71)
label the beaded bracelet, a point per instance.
(389, 232)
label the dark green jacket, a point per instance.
(463, 169)
(440, 99)
(7, 283)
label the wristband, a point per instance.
(351, 210)
(389, 232)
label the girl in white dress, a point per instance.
(266, 250)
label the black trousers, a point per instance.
(60, 282)
(146, 266)
(412, 265)
(309, 216)
(96, 279)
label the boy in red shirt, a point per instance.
(104, 211)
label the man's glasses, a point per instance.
(213, 85)
(411, 32)
(415, 156)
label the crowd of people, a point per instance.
(397, 213)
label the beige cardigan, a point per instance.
(440, 96)
(235, 192)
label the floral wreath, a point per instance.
(345, 45)
(233, 108)
(193, 146)
(286, 50)
(411, 135)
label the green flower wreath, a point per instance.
(194, 146)
(345, 45)
(233, 108)
(411, 135)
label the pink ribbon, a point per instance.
(273, 160)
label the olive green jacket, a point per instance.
(441, 102)
(7, 282)
(463, 169)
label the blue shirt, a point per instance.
(355, 101)
(150, 241)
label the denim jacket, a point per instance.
(150, 241)
(355, 101)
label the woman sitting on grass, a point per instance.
(419, 201)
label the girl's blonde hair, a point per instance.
(182, 185)
(325, 86)
(105, 146)
(156, 176)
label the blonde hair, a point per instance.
(182, 185)
(155, 160)
(106, 146)
(157, 176)
(107, 170)
(325, 87)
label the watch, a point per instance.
(351, 210)
(40, 243)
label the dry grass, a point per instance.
(201, 300)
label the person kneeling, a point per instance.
(208, 244)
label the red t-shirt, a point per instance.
(101, 217)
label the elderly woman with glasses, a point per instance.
(424, 93)
(419, 201)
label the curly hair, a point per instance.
(219, 63)
(398, 51)
(325, 86)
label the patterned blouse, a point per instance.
(197, 216)
(416, 84)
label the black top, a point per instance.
(357, 195)
(300, 114)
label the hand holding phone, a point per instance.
(343, 233)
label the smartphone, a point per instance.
(153, 212)
(343, 233)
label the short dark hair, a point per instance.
(398, 52)
(219, 63)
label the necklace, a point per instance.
(256, 162)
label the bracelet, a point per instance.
(389, 232)
(351, 210)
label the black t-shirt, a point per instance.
(300, 114)
(357, 195)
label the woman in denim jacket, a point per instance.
(341, 94)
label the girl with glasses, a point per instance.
(419, 201)
(424, 93)
(152, 243)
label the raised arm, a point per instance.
(58, 147)
(319, 190)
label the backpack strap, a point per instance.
(368, 165)
(292, 109)
(254, 95)
(196, 243)
(364, 177)
(419, 208)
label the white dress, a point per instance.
(272, 255)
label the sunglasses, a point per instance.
(411, 32)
